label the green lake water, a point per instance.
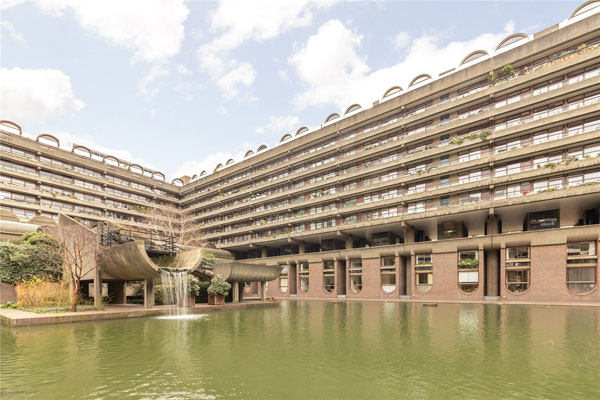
(314, 350)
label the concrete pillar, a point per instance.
(116, 291)
(409, 236)
(401, 275)
(492, 265)
(408, 274)
(349, 242)
(236, 292)
(241, 292)
(263, 252)
(340, 277)
(148, 293)
(98, 287)
(263, 291)
(301, 248)
(492, 225)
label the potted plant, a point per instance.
(217, 290)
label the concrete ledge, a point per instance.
(12, 317)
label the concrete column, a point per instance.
(492, 225)
(301, 248)
(409, 236)
(340, 277)
(241, 292)
(236, 292)
(263, 291)
(408, 274)
(148, 293)
(401, 275)
(98, 287)
(116, 290)
(349, 242)
(492, 265)
(263, 252)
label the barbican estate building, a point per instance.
(481, 183)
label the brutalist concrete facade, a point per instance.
(480, 183)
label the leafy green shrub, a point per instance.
(38, 255)
(218, 286)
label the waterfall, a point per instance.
(175, 287)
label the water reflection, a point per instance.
(316, 349)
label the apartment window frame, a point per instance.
(424, 272)
(578, 260)
(468, 267)
(284, 279)
(355, 272)
(329, 276)
(388, 272)
(518, 265)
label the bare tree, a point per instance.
(80, 247)
(172, 223)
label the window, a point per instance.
(444, 140)
(329, 275)
(444, 181)
(445, 201)
(423, 272)
(444, 161)
(468, 273)
(542, 220)
(303, 275)
(517, 266)
(388, 274)
(581, 266)
(356, 275)
(283, 279)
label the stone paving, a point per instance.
(13, 317)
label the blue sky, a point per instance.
(181, 86)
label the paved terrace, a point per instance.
(13, 317)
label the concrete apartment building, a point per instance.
(482, 183)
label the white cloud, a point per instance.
(280, 124)
(336, 73)
(401, 40)
(12, 32)
(238, 21)
(147, 85)
(284, 76)
(36, 94)
(243, 74)
(182, 69)
(222, 111)
(209, 162)
(153, 30)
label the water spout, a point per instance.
(175, 287)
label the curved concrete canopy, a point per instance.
(12, 125)
(419, 79)
(80, 147)
(331, 117)
(300, 131)
(473, 56)
(239, 272)
(49, 137)
(249, 153)
(391, 91)
(587, 6)
(351, 108)
(128, 261)
(285, 137)
(510, 39)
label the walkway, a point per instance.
(13, 317)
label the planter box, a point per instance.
(216, 300)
